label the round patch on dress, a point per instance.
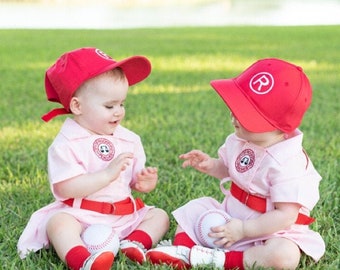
(104, 149)
(245, 161)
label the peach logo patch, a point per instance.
(245, 161)
(104, 149)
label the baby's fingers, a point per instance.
(191, 154)
(151, 170)
(125, 155)
(186, 163)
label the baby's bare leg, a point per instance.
(279, 253)
(63, 231)
(155, 224)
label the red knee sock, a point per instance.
(234, 260)
(182, 239)
(76, 257)
(141, 237)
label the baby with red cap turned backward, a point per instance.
(94, 163)
(274, 185)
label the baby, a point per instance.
(94, 163)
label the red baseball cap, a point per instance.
(271, 94)
(73, 68)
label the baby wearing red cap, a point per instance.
(94, 163)
(273, 183)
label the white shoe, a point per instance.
(206, 256)
(176, 256)
(99, 261)
(135, 251)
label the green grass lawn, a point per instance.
(174, 110)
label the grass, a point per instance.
(174, 110)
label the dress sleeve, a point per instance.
(62, 165)
(296, 181)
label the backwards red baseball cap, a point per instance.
(73, 68)
(271, 94)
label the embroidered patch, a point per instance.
(102, 54)
(261, 83)
(245, 161)
(104, 149)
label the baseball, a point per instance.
(99, 237)
(205, 222)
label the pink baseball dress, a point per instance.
(280, 173)
(74, 152)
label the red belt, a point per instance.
(260, 204)
(124, 207)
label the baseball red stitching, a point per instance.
(102, 245)
(201, 237)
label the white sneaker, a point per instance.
(176, 256)
(135, 251)
(206, 256)
(99, 261)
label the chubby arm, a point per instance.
(202, 162)
(84, 185)
(284, 215)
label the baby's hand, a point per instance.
(229, 233)
(146, 179)
(119, 164)
(198, 160)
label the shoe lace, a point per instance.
(164, 243)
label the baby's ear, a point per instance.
(75, 106)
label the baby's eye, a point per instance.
(109, 107)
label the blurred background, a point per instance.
(116, 14)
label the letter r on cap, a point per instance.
(261, 83)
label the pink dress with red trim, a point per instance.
(74, 152)
(280, 173)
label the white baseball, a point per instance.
(205, 222)
(99, 237)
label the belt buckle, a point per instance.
(246, 199)
(113, 208)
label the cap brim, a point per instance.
(136, 68)
(242, 108)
